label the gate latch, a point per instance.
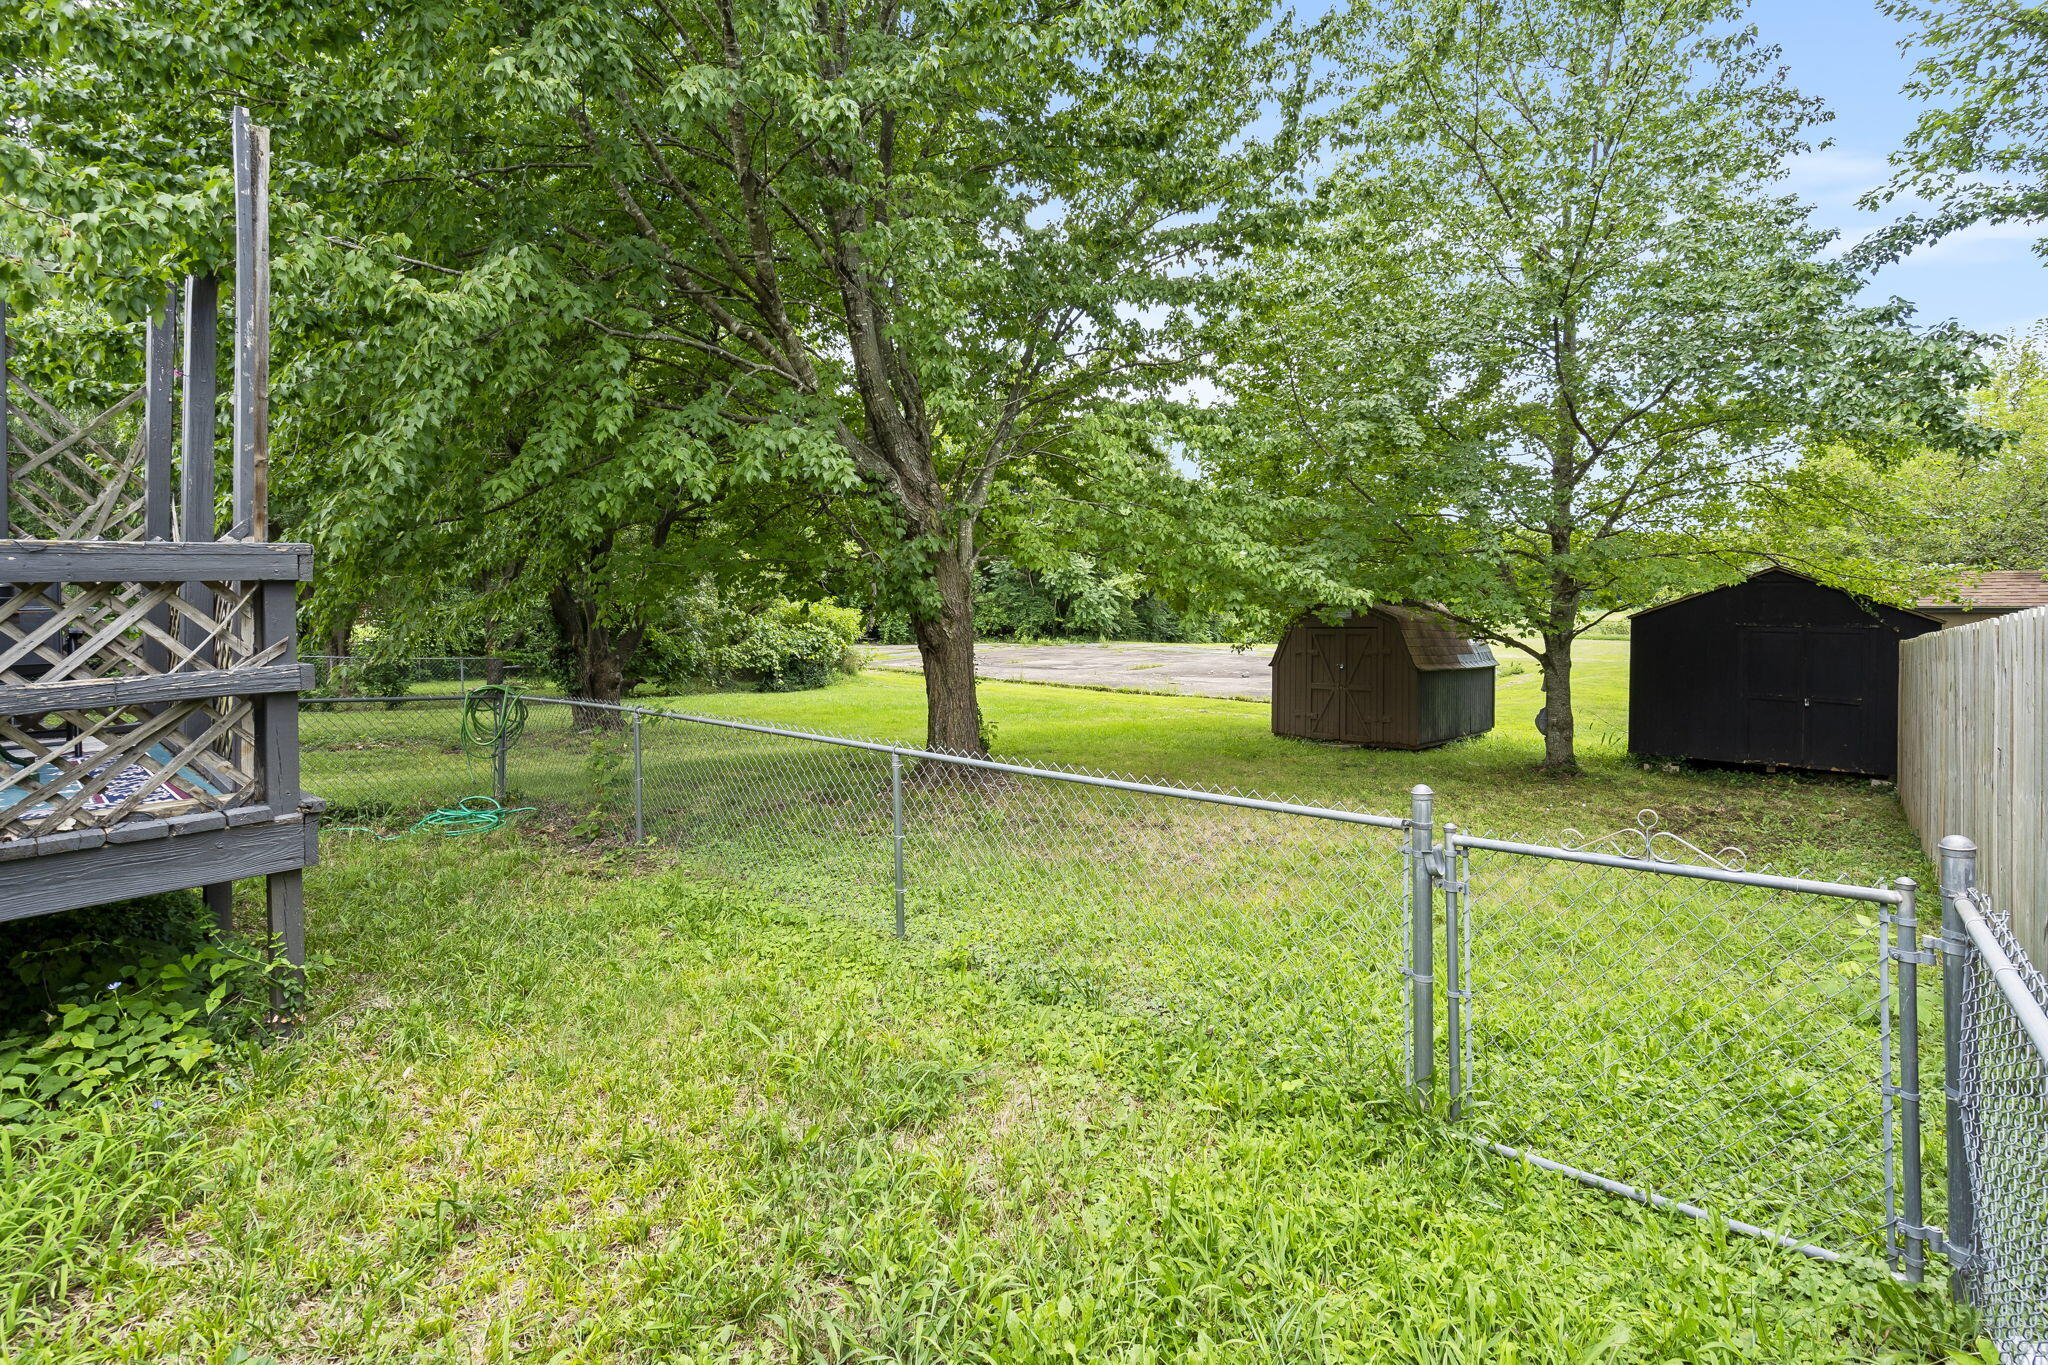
(1937, 1242)
(1919, 957)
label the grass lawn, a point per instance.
(1128, 1092)
(557, 1110)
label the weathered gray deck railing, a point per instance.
(147, 692)
(148, 670)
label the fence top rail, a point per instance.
(2011, 978)
(1881, 895)
(1349, 817)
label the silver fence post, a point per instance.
(1456, 991)
(639, 807)
(896, 825)
(1421, 936)
(1958, 879)
(1908, 946)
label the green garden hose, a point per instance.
(493, 715)
(470, 815)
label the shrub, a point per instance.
(795, 645)
(369, 677)
(784, 647)
(116, 995)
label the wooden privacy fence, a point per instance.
(1973, 755)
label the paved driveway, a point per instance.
(1192, 670)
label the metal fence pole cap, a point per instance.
(1956, 843)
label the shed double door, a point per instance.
(1350, 677)
(1809, 696)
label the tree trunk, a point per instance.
(1560, 752)
(945, 643)
(598, 656)
(339, 640)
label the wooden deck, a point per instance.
(149, 671)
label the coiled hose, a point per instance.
(493, 715)
(470, 815)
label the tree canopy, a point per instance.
(1565, 329)
(1979, 152)
(904, 259)
(585, 308)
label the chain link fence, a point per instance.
(1222, 918)
(342, 674)
(1628, 1011)
(1997, 1117)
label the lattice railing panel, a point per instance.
(74, 479)
(76, 632)
(72, 769)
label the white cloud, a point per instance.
(1835, 175)
(1982, 244)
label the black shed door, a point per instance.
(1807, 695)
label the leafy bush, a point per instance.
(369, 677)
(783, 647)
(608, 769)
(118, 995)
(795, 645)
(1073, 599)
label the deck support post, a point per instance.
(159, 446)
(251, 494)
(220, 899)
(6, 451)
(284, 896)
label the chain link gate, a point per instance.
(1746, 1049)
(1657, 1022)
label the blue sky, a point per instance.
(1847, 53)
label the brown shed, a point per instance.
(1390, 678)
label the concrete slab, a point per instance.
(1189, 670)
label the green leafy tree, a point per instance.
(1979, 154)
(1935, 511)
(903, 258)
(1558, 331)
(114, 171)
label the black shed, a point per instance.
(1391, 678)
(1777, 669)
